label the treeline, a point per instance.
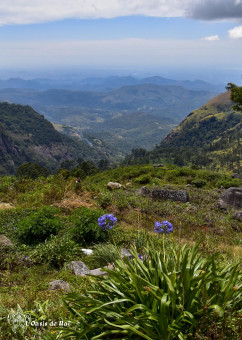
(68, 168)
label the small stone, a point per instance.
(114, 185)
(59, 285)
(98, 272)
(4, 241)
(191, 209)
(125, 253)
(87, 251)
(79, 268)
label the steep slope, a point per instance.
(27, 136)
(210, 136)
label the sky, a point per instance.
(196, 37)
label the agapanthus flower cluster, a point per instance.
(107, 221)
(163, 227)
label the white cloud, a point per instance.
(29, 11)
(212, 38)
(36, 11)
(236, 32)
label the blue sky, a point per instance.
(134, 34)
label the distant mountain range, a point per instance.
(111, 115)
(209, 136)
(105, 84)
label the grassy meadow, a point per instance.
(187, 285)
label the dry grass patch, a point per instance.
(73, 201)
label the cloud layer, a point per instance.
(215, 9)
(125, 52)
(29, 11)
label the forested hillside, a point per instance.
(26, 136)
(209, 137)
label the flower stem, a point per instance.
(164, 252)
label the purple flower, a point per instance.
(141, 257)
(107, 221)
(163, 227)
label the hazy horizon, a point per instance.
(186, 39)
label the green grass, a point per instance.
(26, 270)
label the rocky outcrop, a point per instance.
(232, 197)
(173, 195)
(164, 194)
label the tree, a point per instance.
(236, 95)
(31, 170)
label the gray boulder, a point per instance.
(232, 197)
(79, 268)
(4, 241)
(173, 195)
(114, 185)
(59, 285)
(238, 215)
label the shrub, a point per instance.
(104, 200)
(144, 179)
(84, 227)
(198, 183)
(8, 257)
(158, 299)
(228, 183)
(56, 251)
(38, 226)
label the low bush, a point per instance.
(198, 183)
(8, 257)
(56, 251)
(84, 228)
(229, 183)
(38, 226)
(144, 179)
(104, 200)
(162, 297)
